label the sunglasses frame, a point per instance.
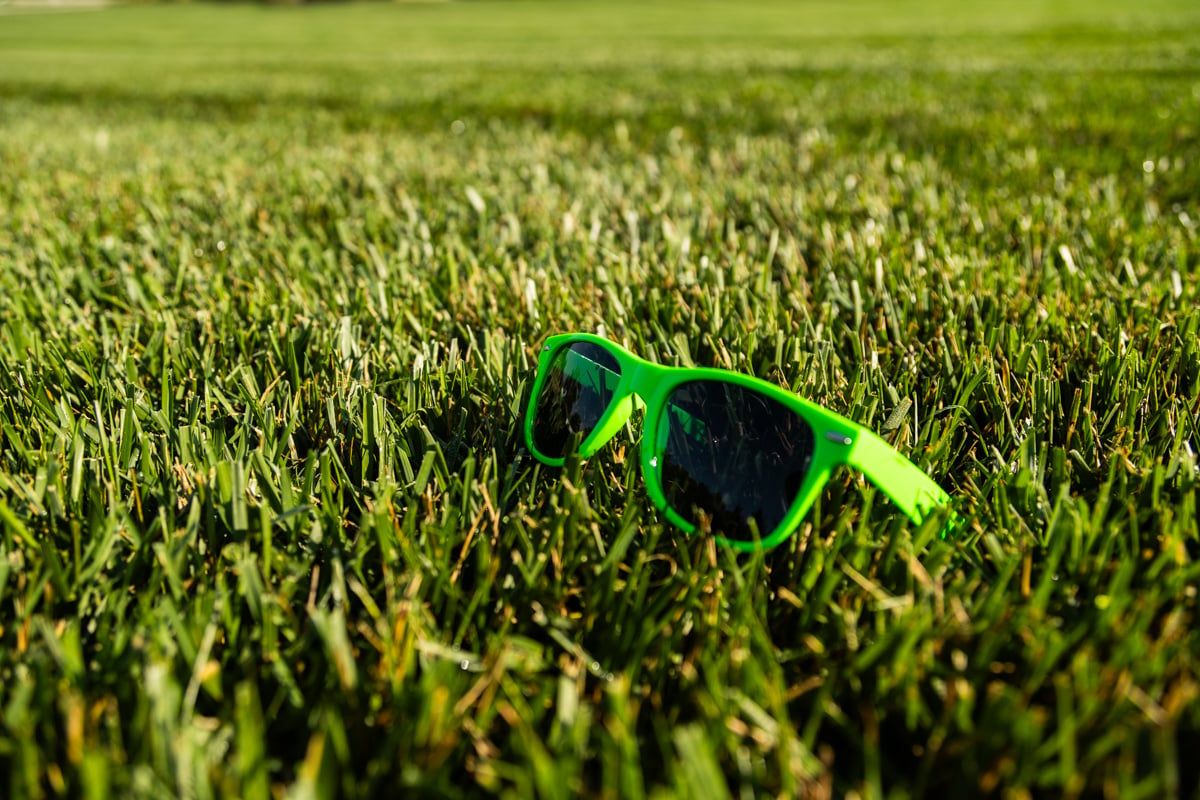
(837, 441)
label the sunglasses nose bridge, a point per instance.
(642, 382)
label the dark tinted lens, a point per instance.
(578, 390)
(733, 457)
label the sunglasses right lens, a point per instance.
(578, 389)
(733, 457)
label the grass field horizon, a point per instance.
(272, 286)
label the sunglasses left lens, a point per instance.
(578, 389)
(732, 456)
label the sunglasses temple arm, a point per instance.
(900, 479)
(580, 366)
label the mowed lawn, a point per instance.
(273, 281)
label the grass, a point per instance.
(272, 282)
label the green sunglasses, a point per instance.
(723, 453)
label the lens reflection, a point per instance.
(578, 390)
(734, 459)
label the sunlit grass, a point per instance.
(270, 295)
